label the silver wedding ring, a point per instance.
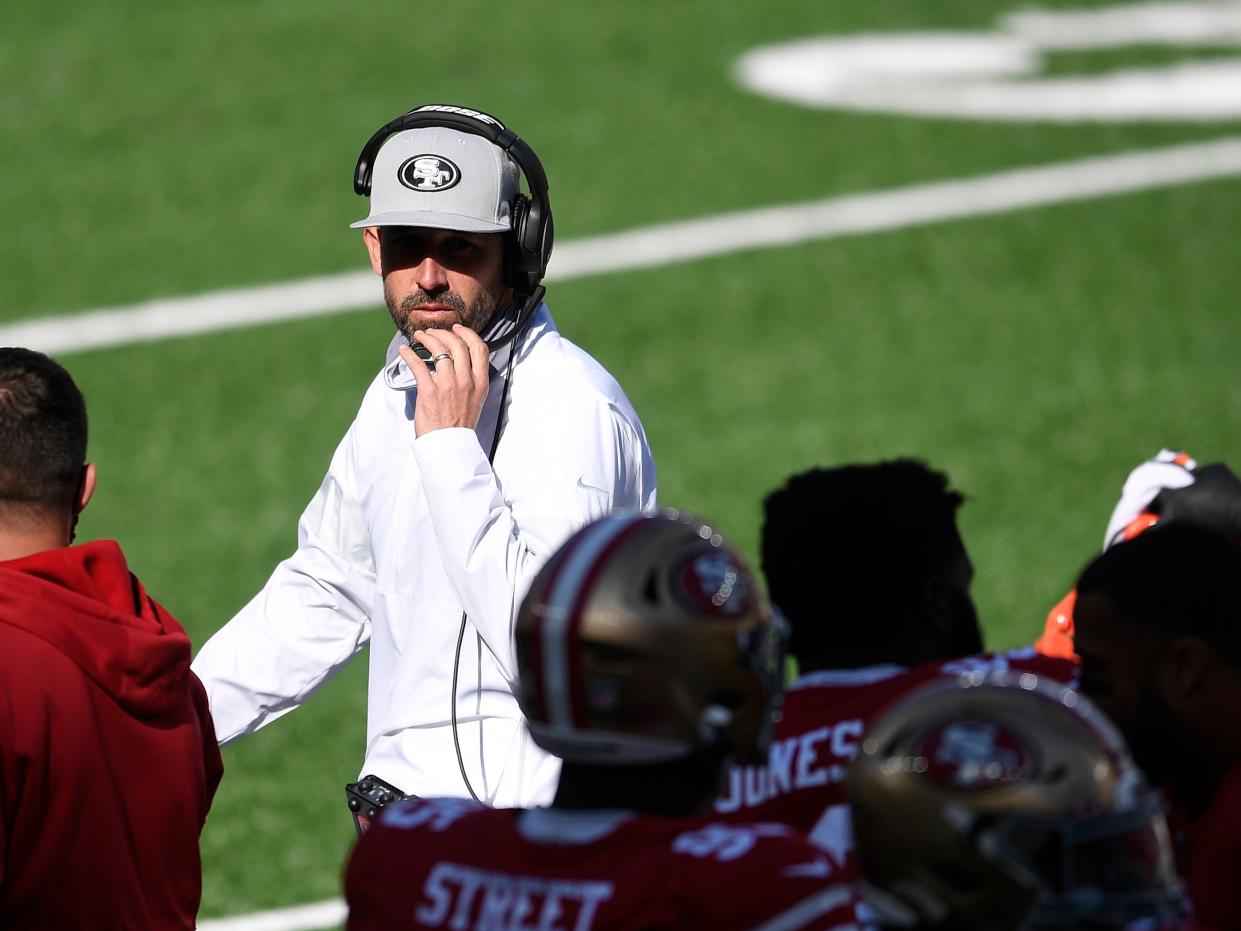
(442, 355)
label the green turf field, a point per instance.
(154, 150)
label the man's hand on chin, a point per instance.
(453, 386)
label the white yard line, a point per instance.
(330, 914)
(663, 244)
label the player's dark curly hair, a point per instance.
(1179, 578)
(859, 559)
(42, 433)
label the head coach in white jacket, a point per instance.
(485, 440)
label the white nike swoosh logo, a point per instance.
(586, 487)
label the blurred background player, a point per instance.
(108, 760)
(868, 566)
(1169, 486)
(648, 658)
(1158, 623)
(1003, 803)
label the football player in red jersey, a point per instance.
(868, 566)
(1159, 634)
(1008, 803)
(648, 657)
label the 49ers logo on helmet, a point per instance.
(715, 583)
(971, 755)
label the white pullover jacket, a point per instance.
(406, 533)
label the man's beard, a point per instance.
(476, 317)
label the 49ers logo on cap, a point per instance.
(428, 173)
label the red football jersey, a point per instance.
(452, 863)
(1210, 854)
(825, 714)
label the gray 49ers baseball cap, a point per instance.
(445, 179)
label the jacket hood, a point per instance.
(84, 601)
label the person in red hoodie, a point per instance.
(108, 757)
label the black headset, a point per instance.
(530, 240)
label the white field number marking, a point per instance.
(994, 75)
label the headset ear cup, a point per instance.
(515, 271)
(535, 241)
(543, 252)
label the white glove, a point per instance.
(1169, 469)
